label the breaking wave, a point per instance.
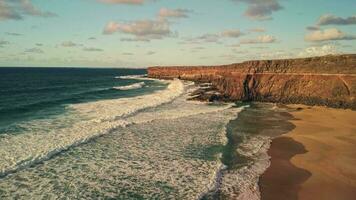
(160, 146)
(131, 87)
(131, 76)
(86, 121)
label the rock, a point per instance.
(326, 81)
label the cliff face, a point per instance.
(328, 80)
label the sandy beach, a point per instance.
(316, 160)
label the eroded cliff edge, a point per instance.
(326, 81)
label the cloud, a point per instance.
(234, 45)
(111, 28)
(92, 49)
(328, 35)
(205, 38)
(127, 54)
(312, 28)
(260, 39)
(175, 13)
(8, 12)
(142, 30)
(231, 33)
(135, 40)
(13, 34)
(17, 9)
(260, 9)
(3, 43)
(30, 9)
(130, 2)
(319, 51)
(150, 53)
(69, 44)
(335, 20)
(34, 50)
(257, 30)
(208, 37)
(214, 37)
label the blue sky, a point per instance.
(141, 33)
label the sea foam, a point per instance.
(89, 120)
(169, 151)
(131, 87)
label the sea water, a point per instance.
(107, 134)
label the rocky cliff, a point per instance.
(328, 80)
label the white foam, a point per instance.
(113, 109)
(242, 184)
(165, 147)
(131, 87)
(88, 120)
(131, 76)
(165, 142)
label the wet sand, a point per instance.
(316, 160)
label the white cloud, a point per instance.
(213, 37)
(142, 30)
(175, 13)
(327, 35)
(259, 40)
(69, 44)
(319, 51)
(232, 33)
(257, 30)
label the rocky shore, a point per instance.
(324, 81)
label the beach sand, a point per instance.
(316, 160)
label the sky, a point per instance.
(143, 33)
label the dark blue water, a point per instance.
(35, 93)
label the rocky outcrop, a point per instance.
(328, 80)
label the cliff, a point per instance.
(327, 81)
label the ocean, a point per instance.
(116, 134)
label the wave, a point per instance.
(178, 145)
(88, 120)
(41, 104)
(136, 77)
(131, 87)
(131, 76)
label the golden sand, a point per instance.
(329, 136)
(327, 154)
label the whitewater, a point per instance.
(153, 146)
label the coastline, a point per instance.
(304, 150)
(245, 154)
(316, 159)
(314, 81)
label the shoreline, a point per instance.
(296, 164)
(316, 159)
(245, 154)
